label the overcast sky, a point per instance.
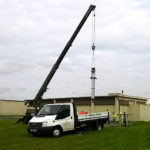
(33, 33)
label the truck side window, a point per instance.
(64, 112)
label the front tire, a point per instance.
(57, 132)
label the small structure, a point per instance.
(12, 107)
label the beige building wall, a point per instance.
(84, 108)
(8, 107)
(97, 108)
(124, 109)
(139, 112)
(102, 108)
(134, 112)
(144, 112)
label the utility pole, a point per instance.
(93, 70)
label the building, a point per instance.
(12, 107)
(136, 107)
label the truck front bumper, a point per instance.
(40, 130)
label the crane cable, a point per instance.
(93, 39)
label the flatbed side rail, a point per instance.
(94, 116)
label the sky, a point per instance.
(33, 33)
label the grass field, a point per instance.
(136, 137)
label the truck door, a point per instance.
(65, 118)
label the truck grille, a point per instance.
(36, 124)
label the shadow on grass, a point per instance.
(80, 132)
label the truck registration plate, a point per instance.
(33, 130)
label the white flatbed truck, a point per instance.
(58, 118)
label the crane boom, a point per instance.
(39, 95)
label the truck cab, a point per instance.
(53, 118)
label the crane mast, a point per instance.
(42, 90)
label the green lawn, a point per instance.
(136, 137)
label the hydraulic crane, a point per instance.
(38, 98)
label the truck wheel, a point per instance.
(98, 126)
(57, 132)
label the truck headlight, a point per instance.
(45, 124)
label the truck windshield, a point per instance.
(49, 110)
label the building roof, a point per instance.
(128, 96)
(110, 95)
(11, 100)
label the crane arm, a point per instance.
(39, 95)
